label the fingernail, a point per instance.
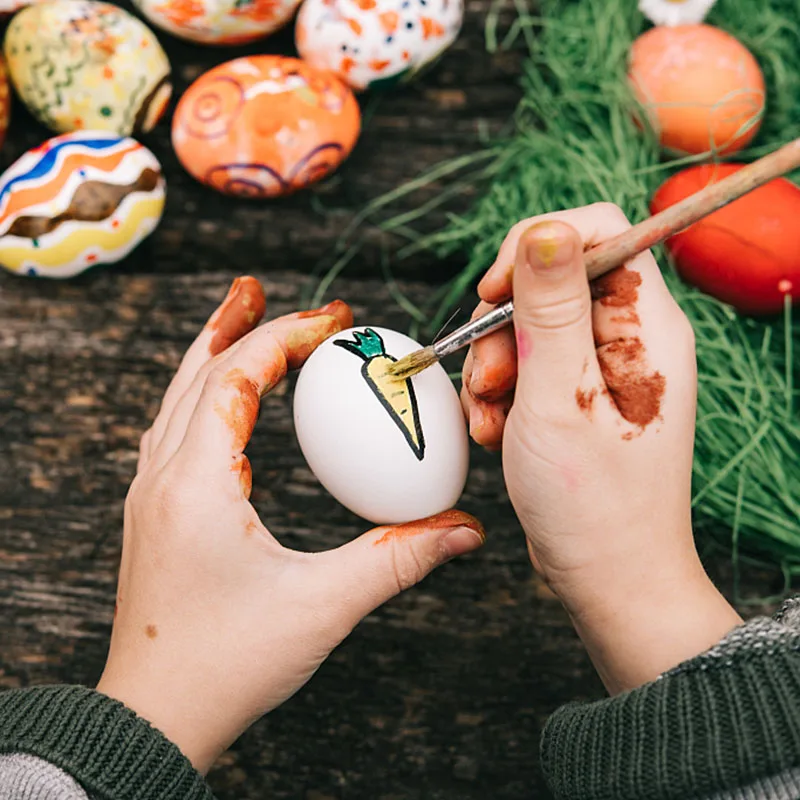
(238, 313)
(336, 308)
(549, 245)
(446, 521)
(475, 420)
(476, 374)
(460, 541)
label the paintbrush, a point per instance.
(616, 251)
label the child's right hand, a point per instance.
(597, 446)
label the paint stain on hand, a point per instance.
(336, 308)
(635, 389)
(241, 414)
(244, 470)
(301, 342)
(491, 382)
(585, 400)
(618, 288)
(447, 519)
(239, 313)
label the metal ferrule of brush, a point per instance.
(466, 334)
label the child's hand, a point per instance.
(216, 622)
(597, 446)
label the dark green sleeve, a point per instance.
(104, 746)
(724, 725)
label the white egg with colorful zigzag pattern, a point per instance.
(78, 200)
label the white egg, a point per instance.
(391, 451)
(370, 43)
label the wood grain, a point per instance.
(441, 694)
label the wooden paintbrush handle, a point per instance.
(672, 220)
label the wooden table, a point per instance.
(440, 694)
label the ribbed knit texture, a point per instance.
(24, 777)
(724, 720)
(111, 752)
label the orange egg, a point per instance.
(263, 126)
(701, 88)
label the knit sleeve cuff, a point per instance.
(111, 752)
(728, 718)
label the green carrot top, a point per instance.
(367, 345)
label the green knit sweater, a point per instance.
(723, 726)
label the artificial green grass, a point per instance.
(574, 143)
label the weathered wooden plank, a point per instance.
(441, 694)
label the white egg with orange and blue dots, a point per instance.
(78, 200)
(368, 43)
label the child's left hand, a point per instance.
(216, 622)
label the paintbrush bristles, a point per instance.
(412, 364)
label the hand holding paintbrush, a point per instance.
(616, 251)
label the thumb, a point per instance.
(387, 560)
(552, 313)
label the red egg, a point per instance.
(747, 253)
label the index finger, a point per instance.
(227, 409)
(240, 312)
(594, 223)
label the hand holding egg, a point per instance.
(198, 560)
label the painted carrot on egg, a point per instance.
(396, 395)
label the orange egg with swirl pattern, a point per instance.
(264, 126)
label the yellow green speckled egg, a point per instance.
(78, 200)
(81, 64)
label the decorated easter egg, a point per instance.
(218, 21)
(371, 42)
(8, 7)
(701, 89)
(747, 253)
(81, 64)
(389, 450)
(5, 102)
(78, 200)
(263, 126)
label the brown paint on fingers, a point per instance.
(585, 400)
(242, 412)
(618, 288)
(301, 338)
(336, 308)
(244, 470)
(239, 313)
(637, 390)
(494, 379)
(447, 519)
